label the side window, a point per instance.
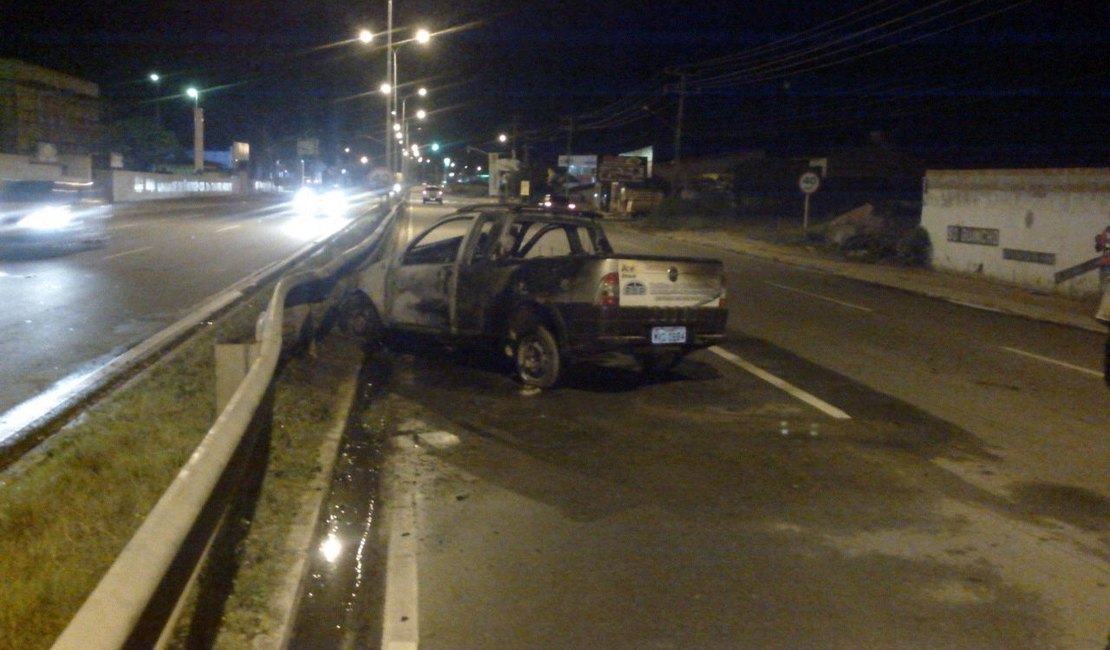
(483, 248)
(582, 241)
(439, 245)
(551, 241)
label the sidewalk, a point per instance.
(976, 292)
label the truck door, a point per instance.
(422, 284)
(482, 275)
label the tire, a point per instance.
(537, 357)
(358, 317)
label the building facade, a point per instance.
(50, 123)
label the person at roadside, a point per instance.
(1102, 245)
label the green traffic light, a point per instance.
(435, 146)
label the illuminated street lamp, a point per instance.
(198, 130)
(156, 79)
(420, 92)
(389, 86)
(423, 37)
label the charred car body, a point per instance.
(546, 287)
(49, 217)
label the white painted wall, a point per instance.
(1049, 212)
(147, 186)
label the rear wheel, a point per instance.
(537, 357)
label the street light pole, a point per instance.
(390, 67)
(422, 92)
(156, 78)
(198, 130)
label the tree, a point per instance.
(145, 145)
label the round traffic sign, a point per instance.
(809, 182)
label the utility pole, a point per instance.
(515, 132)
(679, 117)
(570, 136)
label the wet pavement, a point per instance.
(340, 595)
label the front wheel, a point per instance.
(358, 317)
(537, 357)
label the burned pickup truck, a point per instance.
(546, 287)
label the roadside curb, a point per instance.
(299, 540)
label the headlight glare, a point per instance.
(53, 217)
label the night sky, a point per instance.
(1001, 82)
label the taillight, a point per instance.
(609, 290)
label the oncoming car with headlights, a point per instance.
(322, 202)
(50, 216)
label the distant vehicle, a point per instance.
(545, 286)
(432, 193)
(557, 201)
(50, 217)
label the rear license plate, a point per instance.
(663, 335)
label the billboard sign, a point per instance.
(622, 169)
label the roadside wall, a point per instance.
(147, 186)
(64, 167)
(1032, 227)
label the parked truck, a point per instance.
(546, 287)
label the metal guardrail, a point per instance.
(113, 614)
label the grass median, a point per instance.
(69, 506)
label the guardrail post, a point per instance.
(233, 360)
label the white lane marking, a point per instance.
(1088, 371)
(972, 305)
(133, 251)
(782, 384)
(400, 624)
(227, 228)
(122, 226)
(820, 297)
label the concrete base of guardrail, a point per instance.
(233, 360)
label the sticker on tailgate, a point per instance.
(662, 285)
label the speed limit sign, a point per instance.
(809, 182)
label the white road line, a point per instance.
(972, 305)
(133, 251)
(820, 297)
(227, 228)
(797, 393)
(400, 625)
(1088, 371)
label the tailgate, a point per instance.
(670, 283)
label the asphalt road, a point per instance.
(65, 316)
(919, 475)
